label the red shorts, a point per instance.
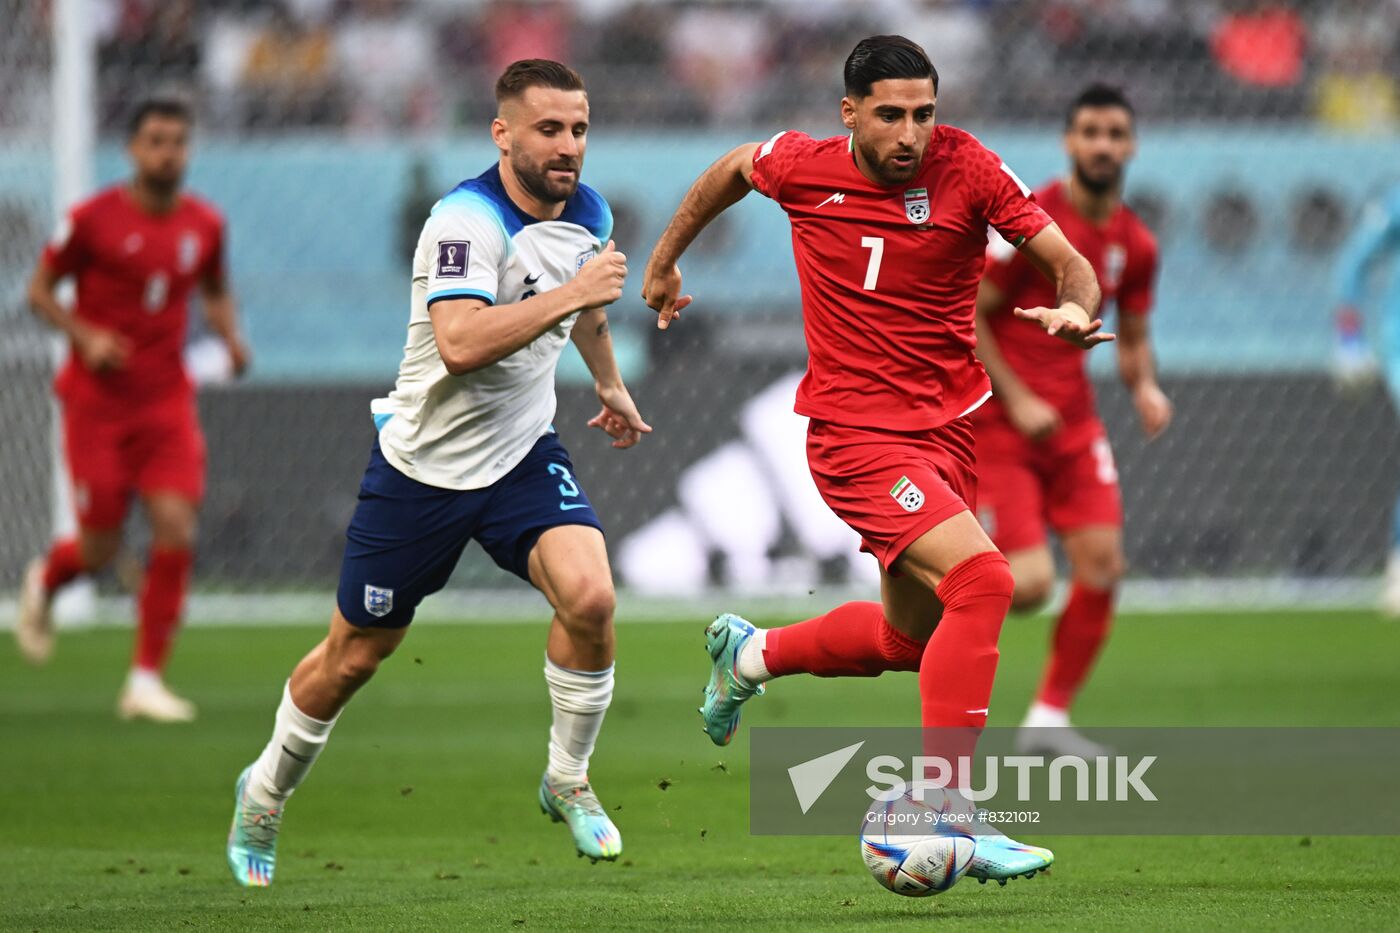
(154, 447)
(893, 486)
(1067, 481)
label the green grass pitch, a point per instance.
(422, 813)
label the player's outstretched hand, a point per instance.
(619, 417)
(600, 280)
(102, 350)
(1068, 322)
(661, 290)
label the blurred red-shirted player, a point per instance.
(1043, 457)
(889, 236)
(135, 250)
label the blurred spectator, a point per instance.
(389, 65)
(721, 52)
(1262, 48)
(1357, 88)
(625, 65)
(289, 76)
(1262, 45)
(954, 34)
(144, 44)
(516, 29)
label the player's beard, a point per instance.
(535, 178)
(885, 169)
(1101, 182)
(163, 184)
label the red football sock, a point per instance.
(162, 600)
(960, 660)
(852, 640)
(64, 563)
(1079, 634)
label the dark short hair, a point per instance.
(536, 72)
(170, 107)
(879, 58)
(1099, 95)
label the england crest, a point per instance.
(916, 205)
(909, 496)
(582, 258)
(379, 601)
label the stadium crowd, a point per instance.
(378, 66)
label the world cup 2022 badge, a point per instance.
(916, 205)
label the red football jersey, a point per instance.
(134, 273)
(1123, 253)
(889, 275)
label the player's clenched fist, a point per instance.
(600, 280)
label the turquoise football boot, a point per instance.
(726, 691)
(1000, 858)
(252, 840)
(576, 805)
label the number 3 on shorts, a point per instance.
(568, 489)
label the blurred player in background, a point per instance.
(509, 266)
(1043, 456)
(1377, 236)
(889, 231)
(130, 426)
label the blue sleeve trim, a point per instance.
(487, 297)
(589, 210)
(381, 419)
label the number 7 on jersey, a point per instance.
(876, 245)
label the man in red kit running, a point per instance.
(129, 421)
(1043, 457)
(889, 233)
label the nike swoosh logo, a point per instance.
(532, 279)
(291, 754)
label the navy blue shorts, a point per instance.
(406, 537)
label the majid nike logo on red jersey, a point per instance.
(837, 198)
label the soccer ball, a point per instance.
(909, 850)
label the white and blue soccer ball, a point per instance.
(910, 849)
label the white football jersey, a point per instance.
(466, 432)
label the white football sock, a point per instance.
(297, 740)
(1044, 716)
(750, 661)
(139, 678)
(580, 700)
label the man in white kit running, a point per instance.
(509, 265)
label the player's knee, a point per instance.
(1031, 594)
(1032, 590)
(358, 660)
(1102, 570)
(174, 532)
(981, 577)
(589, 609)
(97, 550)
